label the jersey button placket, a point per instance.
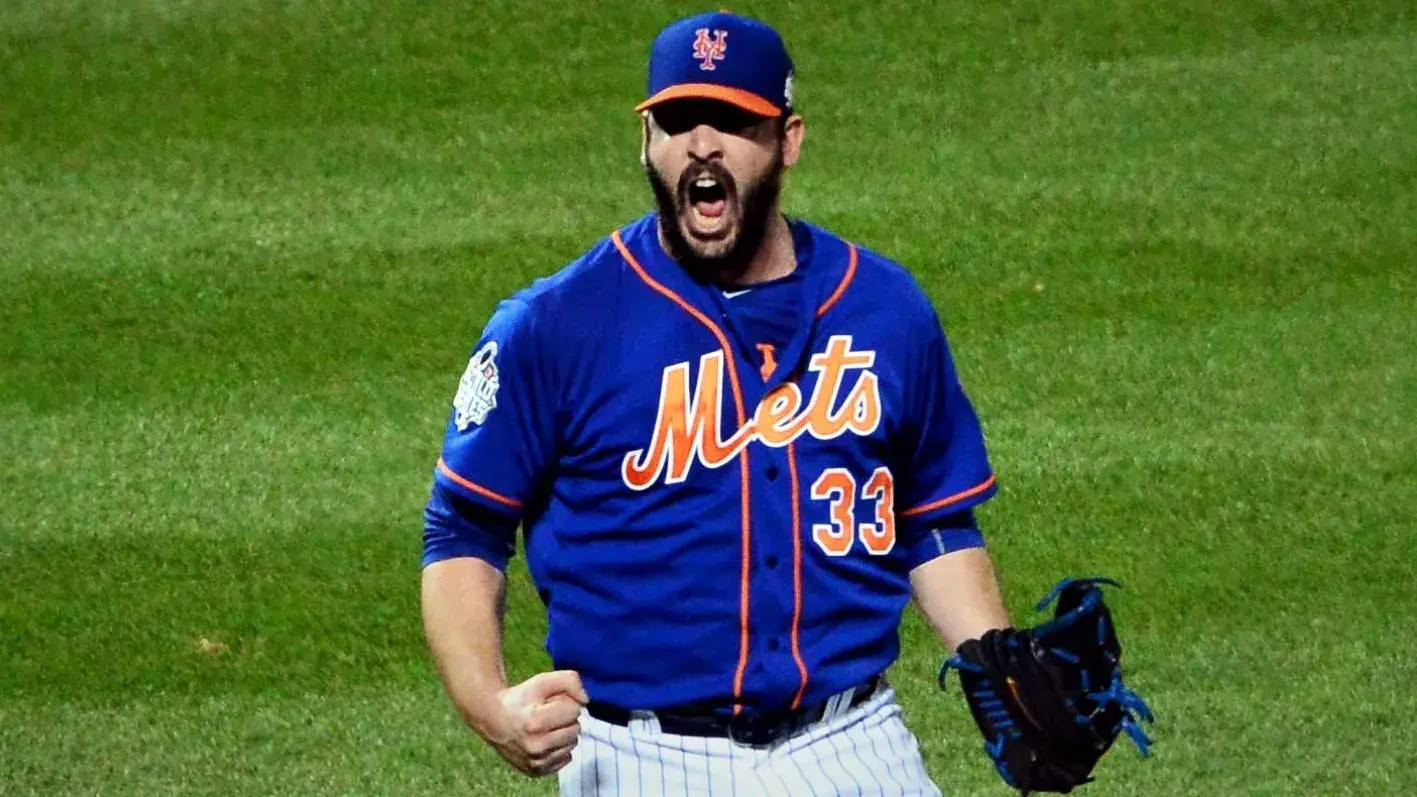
(773, 584)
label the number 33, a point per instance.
(838, 486)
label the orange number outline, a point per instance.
(879, 537)
(838, 486)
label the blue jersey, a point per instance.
(766, 315)
(704, 528)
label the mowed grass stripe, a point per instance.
(353, 327)
(192, 474)
(362, 740)
(323, 607)
(1281, 164)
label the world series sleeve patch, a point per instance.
(501, 434)
(477, 390)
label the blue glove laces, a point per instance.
(1115, 693)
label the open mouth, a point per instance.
(707, 200)
(708, 197)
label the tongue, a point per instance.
(711, 210)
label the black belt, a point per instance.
(757, 730)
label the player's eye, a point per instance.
(681, 116)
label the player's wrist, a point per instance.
(492, 719)
(479, 703)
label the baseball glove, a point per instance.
(1050, 699)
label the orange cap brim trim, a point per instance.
(746, 100)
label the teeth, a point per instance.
(705, 182)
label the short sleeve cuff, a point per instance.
(488, 549)
(455, 528)
(938, 542)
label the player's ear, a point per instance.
(793, 131)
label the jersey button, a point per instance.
(774, 644)
(771, 473)
(771, 562)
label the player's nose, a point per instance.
(705, 143)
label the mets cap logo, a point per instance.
(708, 49)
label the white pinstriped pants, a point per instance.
(866, 750)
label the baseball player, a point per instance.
(737, 446)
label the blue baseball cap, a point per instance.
(721, 56)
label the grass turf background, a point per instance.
(246, 245)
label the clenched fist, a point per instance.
(539, 723)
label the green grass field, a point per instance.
(245, 246)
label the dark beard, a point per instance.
(758, 200)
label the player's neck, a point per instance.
(775, 257)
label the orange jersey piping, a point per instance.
(796, 573)
(950, 499)
(845, 281)
(477, 488)
(743, 593)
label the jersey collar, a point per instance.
(828, 266)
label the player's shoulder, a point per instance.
(589, 272)
(576, 285)
(578, 290)
(875, 279)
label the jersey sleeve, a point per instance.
(944, 467)
(454, 527)
(956, 531)
(500, 439)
